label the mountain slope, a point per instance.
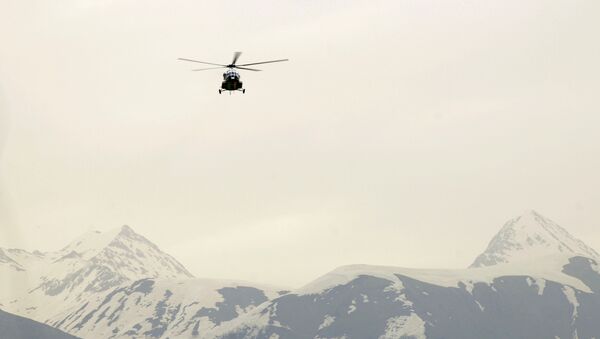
(531, 235)
(555, 294)
(84, 270)
(15, 327)
(152, 308)
(387, 302)
(118, 284)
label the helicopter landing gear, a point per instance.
(243, 91)
(220, 91)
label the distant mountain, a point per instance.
(528, 236)
(44, 283)
(556, 294)
(15, 327)
(118, 284)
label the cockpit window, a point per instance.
(230, 74)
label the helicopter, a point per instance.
(231, 78)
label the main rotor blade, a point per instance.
(204, 69)
(264, 62)
(248, 69)
(236, 56)
(201, 62)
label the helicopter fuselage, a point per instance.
(231, 81)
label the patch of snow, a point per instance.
(250, 323)
(541, 285)
(571, 295)
(396, 286)
(327, 321)
(596, 267)
(351, 309)
(405, 326)
(469, 285)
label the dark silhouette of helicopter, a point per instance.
(231, 78)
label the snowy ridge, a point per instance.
(548, 268)
(528, 236)
(83, 270)
(163, 308)
(91, 243)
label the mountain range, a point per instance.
(534, 280)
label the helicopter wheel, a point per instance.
(219, 91)
(243, 91)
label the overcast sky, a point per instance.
(400, 132)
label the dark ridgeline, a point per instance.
(15, 327)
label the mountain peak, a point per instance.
(531, 235)
(129, 253)
(93, 242)
(531, 213)
(126, 230)
(98, 261)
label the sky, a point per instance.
(400, 133)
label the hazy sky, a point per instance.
(400, 133)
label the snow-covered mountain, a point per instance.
(555, 294)
(528, 236)
(126, 253)
(119, 284)
(164, 308)
(37, 284)
(389, 302)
